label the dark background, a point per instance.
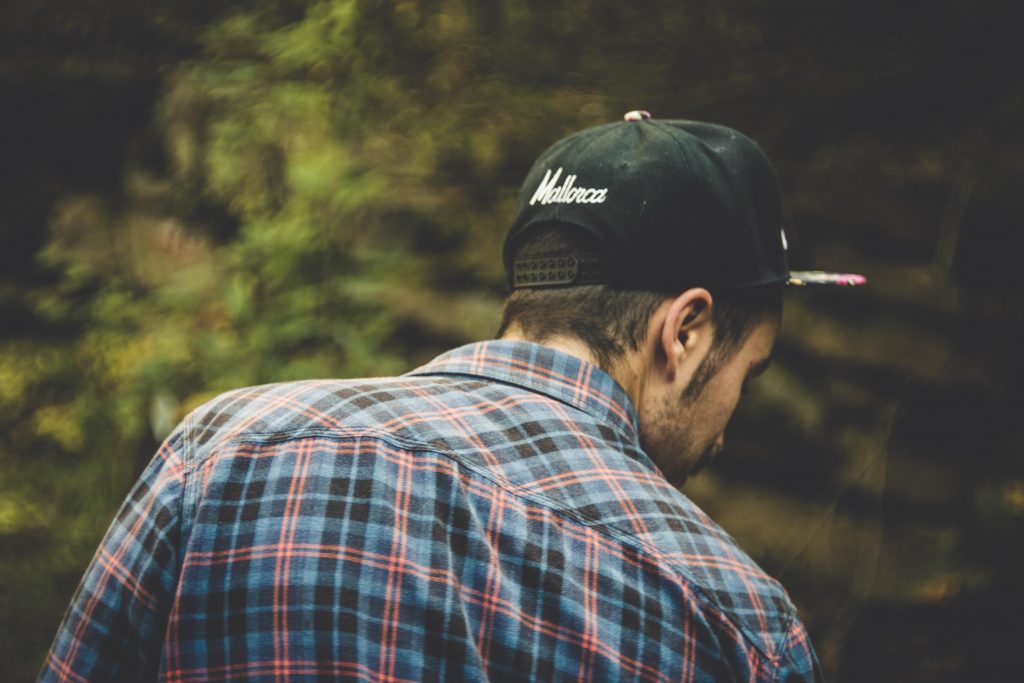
(196, 196)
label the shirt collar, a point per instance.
(544, 370)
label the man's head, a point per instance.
(689, 372)
(655, 248)
(683, 359)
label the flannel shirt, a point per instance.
(490, 515)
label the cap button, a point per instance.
(637, 115)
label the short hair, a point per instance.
(610, 321)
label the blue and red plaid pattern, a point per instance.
(490, 515)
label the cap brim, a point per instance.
(819, 278)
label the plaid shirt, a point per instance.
(490, 515)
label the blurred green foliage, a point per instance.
(210, 195)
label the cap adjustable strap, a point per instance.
(558, 270)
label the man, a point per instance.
(509, 510)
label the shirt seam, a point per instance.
(190, 493)
(784, 649)
(336, 434)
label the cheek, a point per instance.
(725, 401)
(735, 398)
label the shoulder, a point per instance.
(283, 407)
(403, 407)
(639, 511)
(731, 584)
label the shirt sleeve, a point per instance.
(114, 627)
(798, 662)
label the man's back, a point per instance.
(489, 515)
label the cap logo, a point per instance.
(567, 192)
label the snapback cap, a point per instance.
(668, 205)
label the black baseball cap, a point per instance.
(668, 204)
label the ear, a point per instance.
(686, 331)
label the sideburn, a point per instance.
(707, 369)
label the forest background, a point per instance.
(201, 195)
